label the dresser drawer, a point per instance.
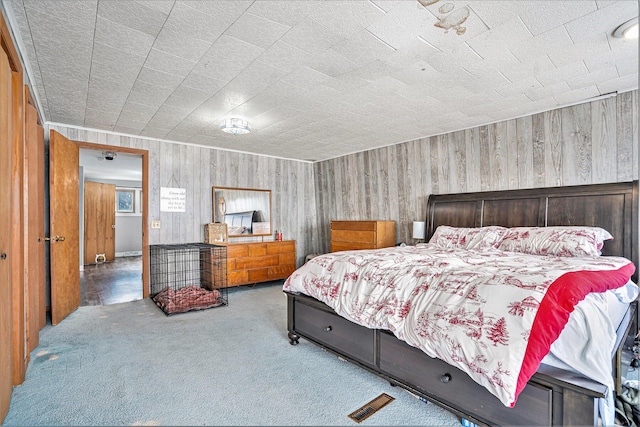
(415, 368)
(335, 332)
(284, 259)
(353, 236)
(354, 225)
(280, 271)
(256, 262)
(282, 247)
(237, 277)
(257, 249)
(258, 275)
(237, 250)
(350, 246)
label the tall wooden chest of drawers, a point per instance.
(350, 235)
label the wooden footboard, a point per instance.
(552, 396)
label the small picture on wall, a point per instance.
(125, 201)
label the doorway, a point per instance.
(112, 282)
(110, 227)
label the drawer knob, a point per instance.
(445, 378)
(328, 329)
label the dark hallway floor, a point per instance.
(111, 282)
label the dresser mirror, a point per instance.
(246, 211)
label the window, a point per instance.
(125, 201)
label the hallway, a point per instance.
(111, 282)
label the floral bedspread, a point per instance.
(491, 313)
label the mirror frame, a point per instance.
(214, 208)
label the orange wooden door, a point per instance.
(34, 232)
(64, 162)
(99, 221)
(42, 300)
(6, 329)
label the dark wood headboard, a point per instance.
(613, 207)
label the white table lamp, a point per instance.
(418, 230)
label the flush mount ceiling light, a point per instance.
(628, 30)
(109, 155)
(235, 126)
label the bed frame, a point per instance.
(552, 396)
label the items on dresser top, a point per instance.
(215, 233)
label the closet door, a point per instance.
(99, 221)
(6, 345)
(64, 201)
(34, 231)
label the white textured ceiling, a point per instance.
(124, 167)
(317, 79)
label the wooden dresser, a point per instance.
(254, 262)
(349, 235)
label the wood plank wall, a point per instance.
(198, 169)
(595, 142)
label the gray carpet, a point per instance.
(129, 364)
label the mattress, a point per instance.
(590, 336)
(590, 333)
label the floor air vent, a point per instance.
(370, 408)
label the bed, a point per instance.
(241, 222)
(557, 392)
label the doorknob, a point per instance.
(54, 239)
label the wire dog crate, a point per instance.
(189, 276)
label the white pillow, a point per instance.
(448, 237)
(558, 241)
